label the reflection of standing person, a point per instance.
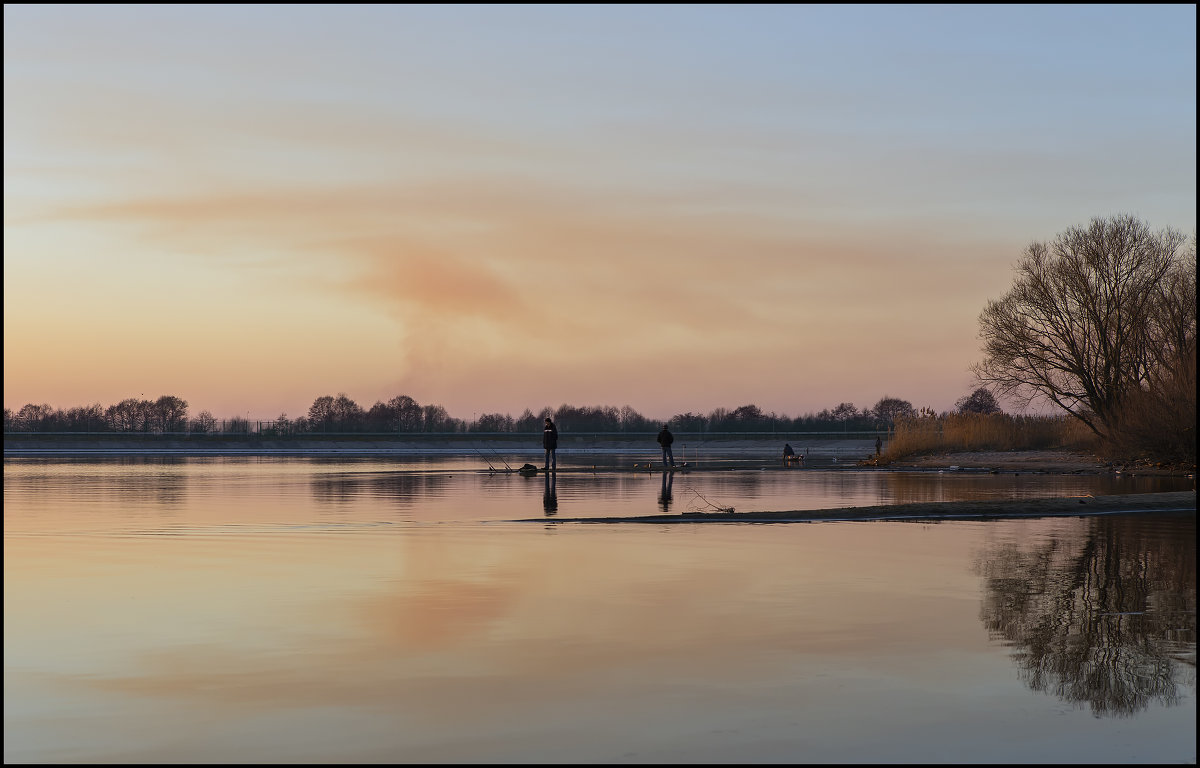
(878, 444)
(665, 438)
(664, 496)
(550, 443)
(550, 495)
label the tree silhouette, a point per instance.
(1086, 319)
(979, 401)
(169, 414)
(888, 409)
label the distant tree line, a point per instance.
(403, 415)
(166, 414)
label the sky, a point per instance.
(492, 208)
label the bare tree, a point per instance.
(684, 422)
(888, 409)
(409, 415)
(32, 417)
(435, 418)
(1158, 419)
(282, 425)
(86, 418)
(980, 401)
(169, 413)
(381, 418)
(747, 417)
(347, 414)
(493, 422)
(527, 422)
(320, 413)
(1171, 332)
(845, 412)
(129, 415)
(1074, 328)
(204, 423)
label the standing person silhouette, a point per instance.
(550, 443)
(665, 438)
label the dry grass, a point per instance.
(994, 432)
(1157, 423)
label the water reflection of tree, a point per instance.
(404, 489)
(123, 486)
(1103, 617)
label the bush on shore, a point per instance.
(1157, 424)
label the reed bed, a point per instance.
(986, 432)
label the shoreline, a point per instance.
(580, 450)
(1181, 502)
(842, 454)
(590, 451)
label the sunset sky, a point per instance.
(494, 208)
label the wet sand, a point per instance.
(1073, 506)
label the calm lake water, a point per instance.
(407, 610)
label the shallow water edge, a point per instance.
(1071, 506)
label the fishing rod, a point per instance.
(502, 461)
(507, 468)
(485, 458)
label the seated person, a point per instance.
(788, 453)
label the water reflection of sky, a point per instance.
(179, 491)
(260, 615)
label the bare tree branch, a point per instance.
(1091, 317)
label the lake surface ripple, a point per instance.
(391, 610)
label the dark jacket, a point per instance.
(550, 436)
(665, 437)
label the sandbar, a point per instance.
(1181, 502)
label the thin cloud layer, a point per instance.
(530, 226)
